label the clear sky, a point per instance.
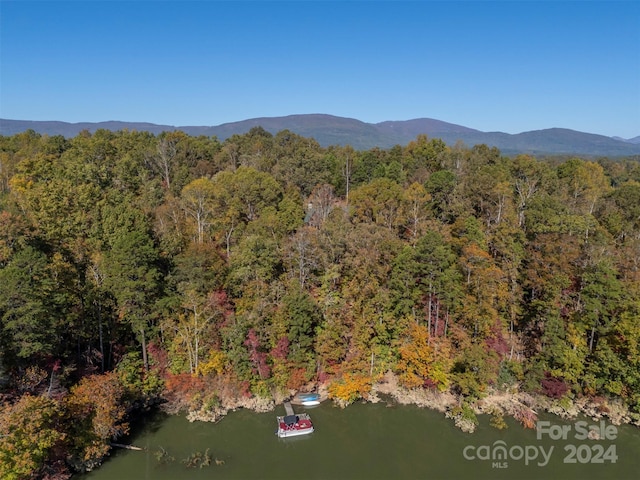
(509, 66)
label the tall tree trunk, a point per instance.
(429, 319)
(101, 336)
(145, 359)
(593, 334)
(436, 326)
(196, 342)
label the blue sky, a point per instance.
(508, 66)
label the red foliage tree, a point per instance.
(257, 356)
(553, 387)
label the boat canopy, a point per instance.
(291, 419)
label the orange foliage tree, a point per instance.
(29, 431)
(96, 415)
(421, 363)
(351, 387)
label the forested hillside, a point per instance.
(137, 268)
(330, 130)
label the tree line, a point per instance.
(184, 268)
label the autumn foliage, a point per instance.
(423, 363)
(30, 430)
(97, 414)
(136, 268)
(350, 388)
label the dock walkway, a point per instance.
(288, 408)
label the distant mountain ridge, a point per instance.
(332, 130)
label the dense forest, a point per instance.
(139, 268)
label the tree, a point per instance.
(257, 355)
(167, 155)
(380, 202)
(30, 431)
(198, 275)
(321, 202)
(348, 170)
(197, 199)
(441, 185)
(621, 212)
(423, 281)
(416, 357)
(255, 259)
(600, 294)
(28, 310)
(529, 177)
(623, 378)
(584, 182)
(240, 197)
(96, 415)
(302, 316)
(424, 156)
(131, 274)
(301, 256)
(370, 250)
(299, 162)
(416, 200)
(332, 339)
(486, 290)
(254, 190)
(474, 369)
(15, 234)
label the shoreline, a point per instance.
(522, 406)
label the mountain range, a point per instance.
(331, 130)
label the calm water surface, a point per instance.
(373, 441)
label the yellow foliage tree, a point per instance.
(350, 387)
(216, 363)
(29, 430)
(416, 357)
(421, 362)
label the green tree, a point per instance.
(380, 202)
(600, 295)
(240, 197)
(300, 162)
(422, 280)
(302, 316)
(529, 177)
(441, 185)
(423, 156)
(620, 213)
(584, 183)
(132, 275)
(30, 325)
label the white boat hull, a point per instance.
(294, 425)
(294, 433)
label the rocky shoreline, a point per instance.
(522, 406)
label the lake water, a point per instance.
(375, 441)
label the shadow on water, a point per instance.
(146, 423)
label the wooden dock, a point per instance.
(288, 408)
